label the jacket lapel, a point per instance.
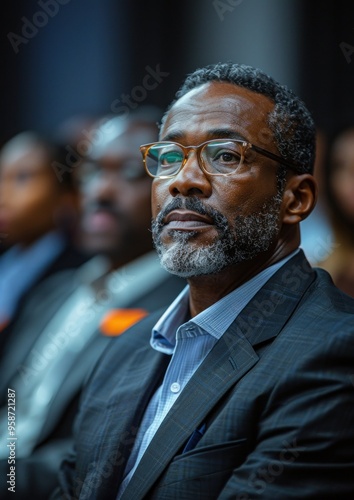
(271, 308)
(223, 367)
(119, 420)
(230, 359)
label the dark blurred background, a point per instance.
(87, 57)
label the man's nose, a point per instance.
(105, 185)
(191, 180)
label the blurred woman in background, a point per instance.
(340, 195)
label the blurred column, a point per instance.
(259, 33)
(71, 61)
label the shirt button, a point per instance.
(175, 387)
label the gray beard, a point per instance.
(249, 236)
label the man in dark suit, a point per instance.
(71, 317)
(246, 389)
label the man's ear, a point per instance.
(299, 198)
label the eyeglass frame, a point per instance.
(245, 146)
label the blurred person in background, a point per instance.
(83, 310)
(36, 212)
(340, 195)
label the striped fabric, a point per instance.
(188, 344)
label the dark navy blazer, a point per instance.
(273, 403)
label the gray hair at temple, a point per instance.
(290, 122)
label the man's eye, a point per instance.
(170, 158)
(227, 157)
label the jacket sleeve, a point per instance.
(66, 477)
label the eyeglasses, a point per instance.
(165, 159)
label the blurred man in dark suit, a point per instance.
(72, 316)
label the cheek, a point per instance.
(339, 189)
(231, 196)
(236, 198)
(37, 202)
(160, 196)
(32, 217)
(344, 193)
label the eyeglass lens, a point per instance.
(218, 157)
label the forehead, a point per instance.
(29, 156)
(220, 106)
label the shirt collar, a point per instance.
(216, 319)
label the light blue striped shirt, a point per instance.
(189, 343)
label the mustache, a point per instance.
(195, 205)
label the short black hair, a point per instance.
(291, 122)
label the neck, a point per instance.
(207, 290)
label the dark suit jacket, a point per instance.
(37, 474)
(275, 395)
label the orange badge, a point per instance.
(3, 325)
(117, 321)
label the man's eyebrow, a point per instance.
(173, 136)
(218, 133)
(221, 133)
